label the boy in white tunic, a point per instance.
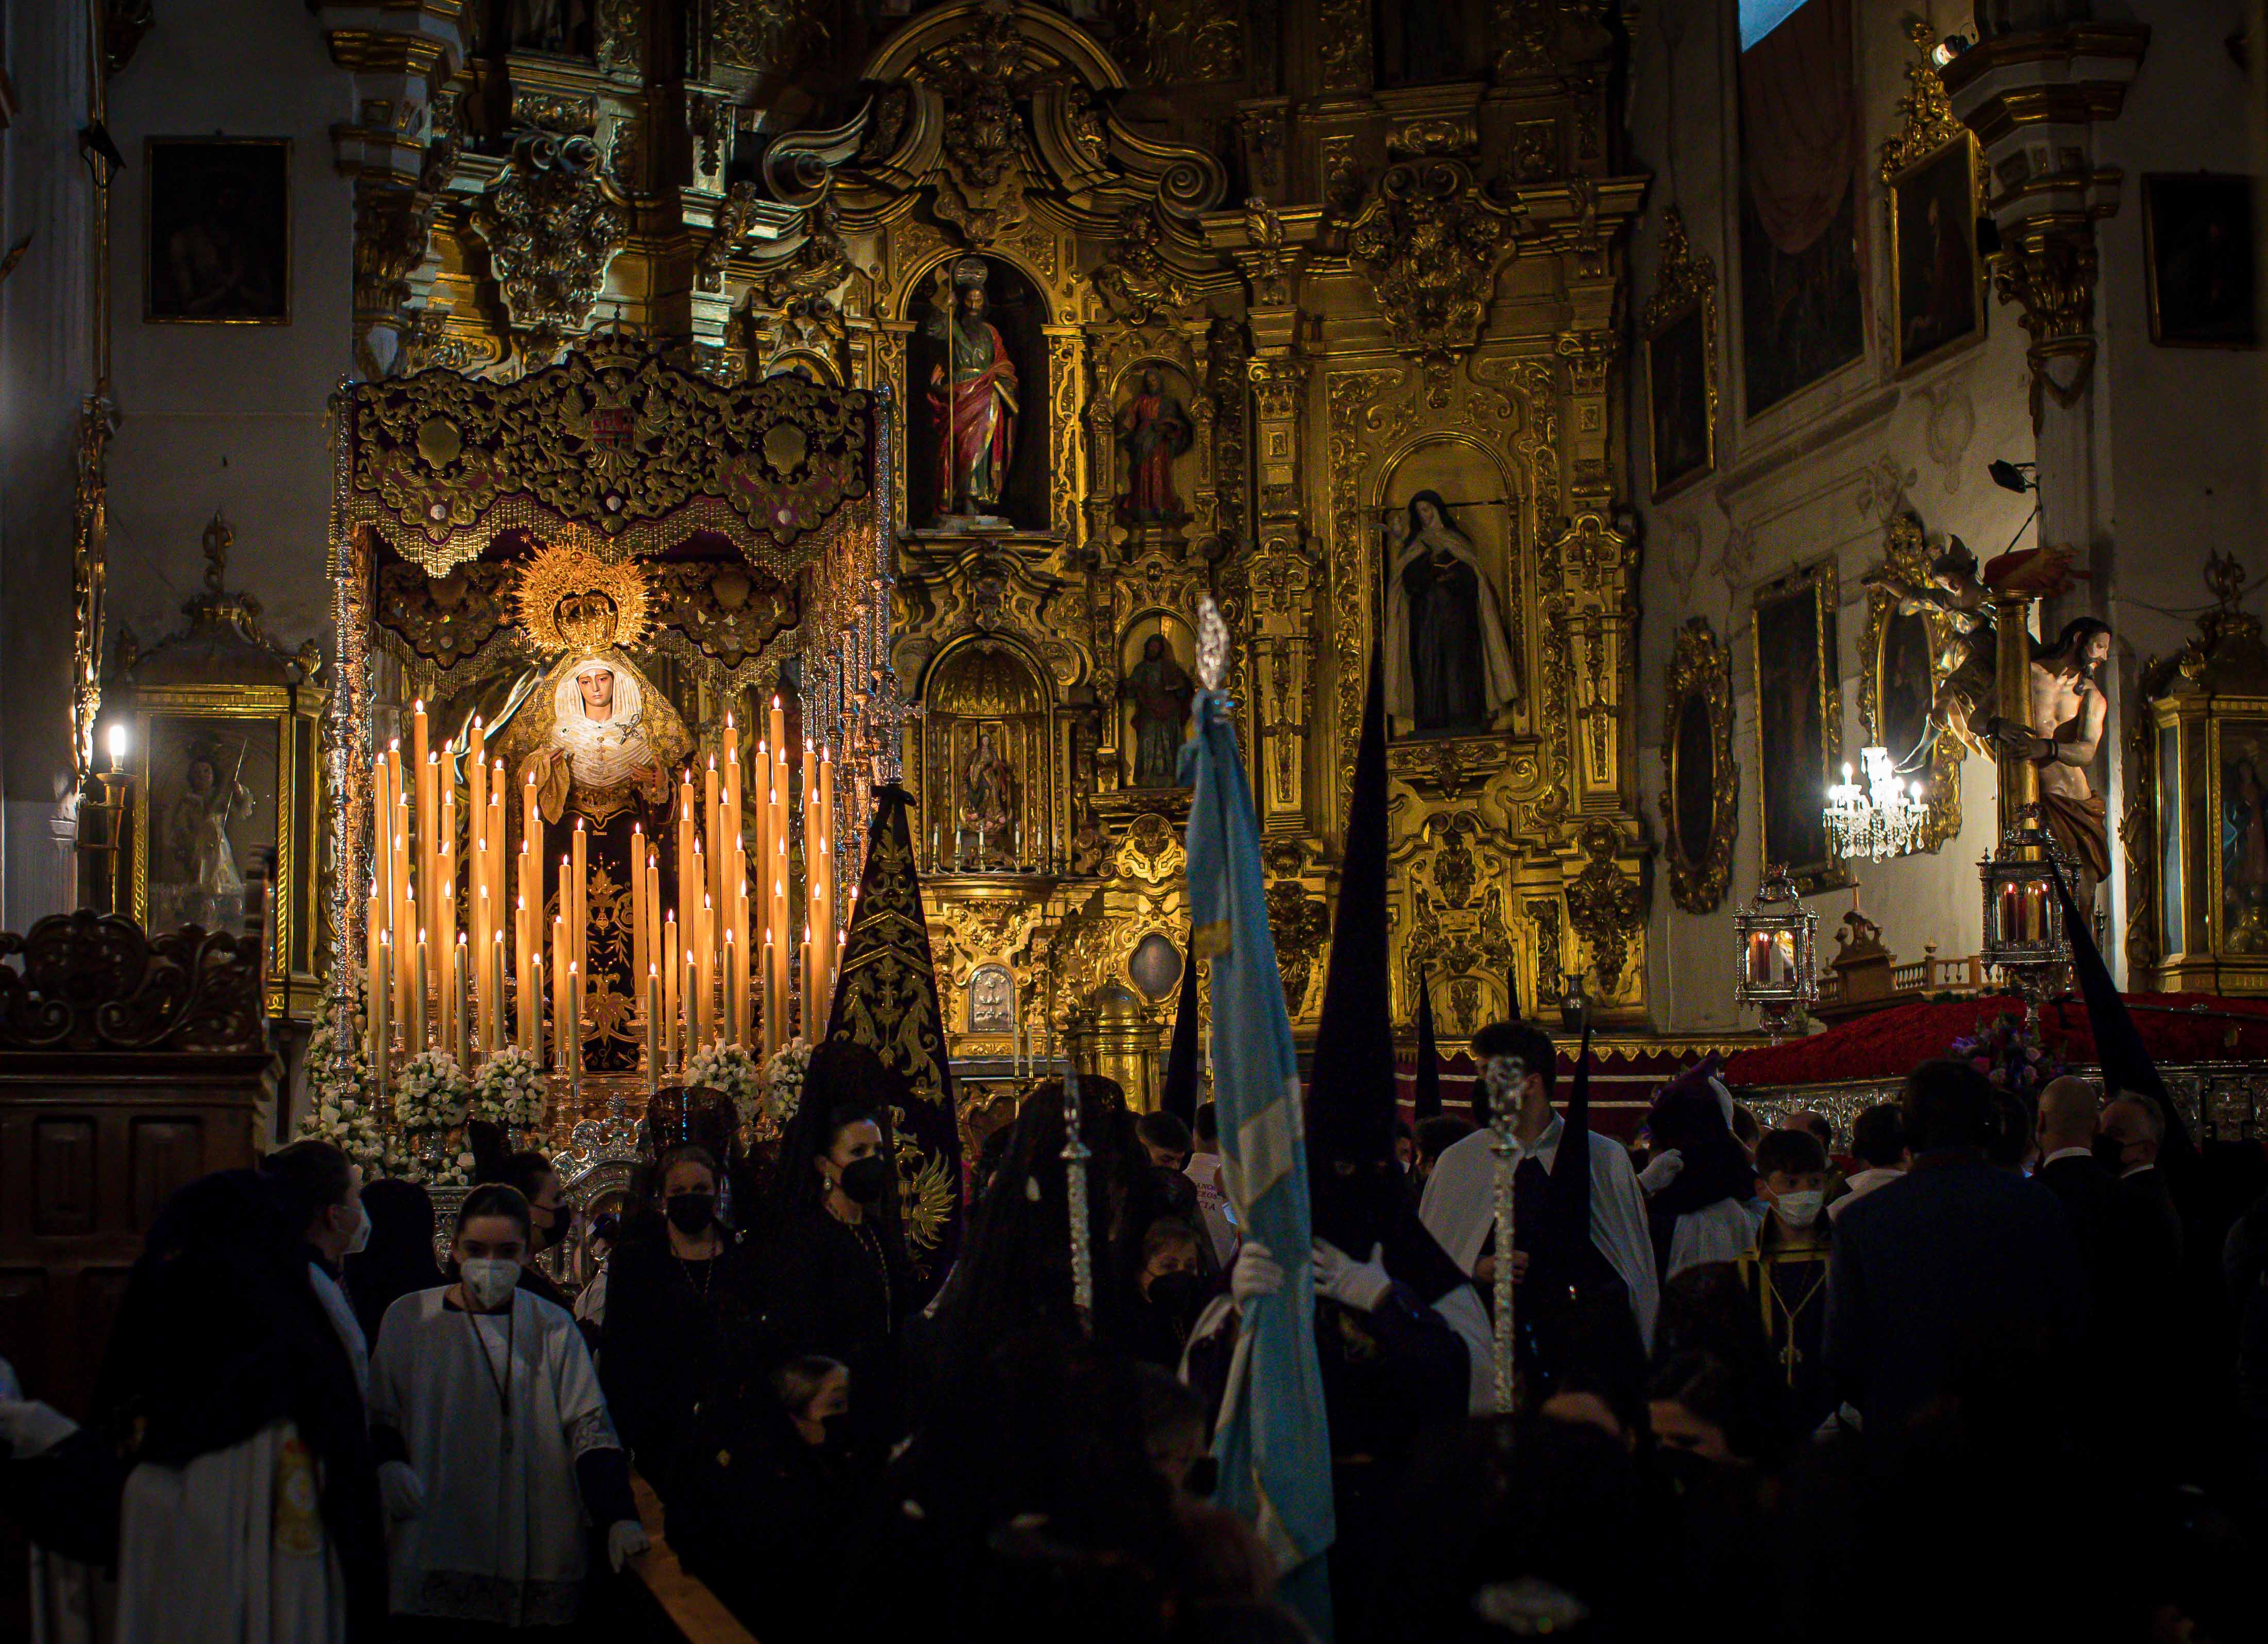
(485, 1394)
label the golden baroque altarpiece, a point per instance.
(1171, 301)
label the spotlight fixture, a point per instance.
(1945, 50)
(2014, 476)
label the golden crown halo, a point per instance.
(570, 599)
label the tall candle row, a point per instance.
(447, 937)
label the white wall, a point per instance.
(1815, 476)
(2178, 446)
(231, 415)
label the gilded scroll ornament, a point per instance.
(1137, 283)
(1299, 923)
(97, 422)
(1605, 907)
(446, 619)
(613, 441)
(1700, 784)
(1927, 122)
(551, 231)
(776, 35)
(1177, 42)
(1431, 243)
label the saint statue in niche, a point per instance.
(972, 395)
(1161, 689)
(1154, 428)
(207, 886)
(988, 799)
(1449, 662)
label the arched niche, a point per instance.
(1480, 504)
(1156, 690)
(987, 778)
(1017, 310)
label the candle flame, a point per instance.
(418, 705)
(395, 747)
(385, 939)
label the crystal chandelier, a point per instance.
(1883, 819)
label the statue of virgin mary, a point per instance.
(1448, 652)
(601, 759)
(602, 747)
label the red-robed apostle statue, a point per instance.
(972, 394)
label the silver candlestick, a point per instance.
(1075, 1155)
(1506, 1077)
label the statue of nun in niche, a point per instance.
(1448, 659)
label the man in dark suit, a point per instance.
(2089, 1192)
(2133, 1128)
(1959, 1275)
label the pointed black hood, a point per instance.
(886, 999)
(1350, 1098)
(1427, 1103)
(1359, 1196)
(1180, 1094)
(2127, 1066)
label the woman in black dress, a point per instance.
(682, 1325)
(834, 1273)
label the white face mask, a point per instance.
(358, 1240)
(1800, 1209)
(489, 1279)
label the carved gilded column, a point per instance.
(399, 148)
(1271, 250)
(2035, 100)
(1283, 597)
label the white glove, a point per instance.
(1255, 1273)
(401, 1489)
(626, 1538)
(29, 1427)
(1661, 1171)
(1361, 1285)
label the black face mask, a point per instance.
(1175, 1294)
(2111, 1152)
(863, 1180)
(690, 1212)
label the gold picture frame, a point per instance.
(2200, 268)
(1678, 332)
(217, 231)
(1895, 698)
(1799, 720)
(1700, 782)
(1933, 161)
(269, 736)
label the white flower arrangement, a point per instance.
(341, 1107)
(431, 1099)
(718, 1066)
(510, 1090)
(784, 1080)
